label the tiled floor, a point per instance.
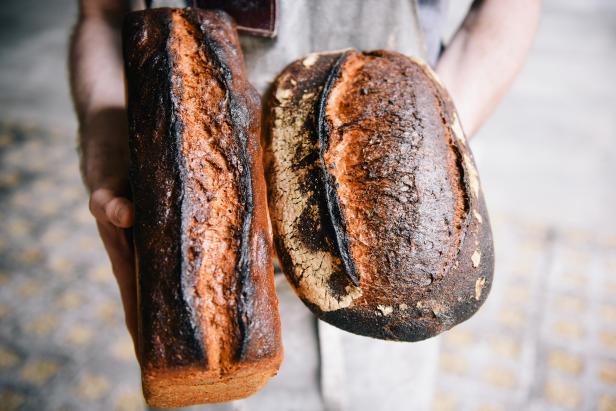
(62, 341)
(546, 338)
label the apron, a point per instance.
(307, 26)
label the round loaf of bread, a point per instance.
(378, 215)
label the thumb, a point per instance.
(105, 206)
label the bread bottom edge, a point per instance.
(191, 386)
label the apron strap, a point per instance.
(253, 17)
(256, 18)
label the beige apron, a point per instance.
(306, 26)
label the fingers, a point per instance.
(113, 214)
(120, 212)
(105, 206)
(122, 262)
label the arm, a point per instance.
(98, 94)
(482, 60)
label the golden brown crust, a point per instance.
(378, 219)
(209, 322)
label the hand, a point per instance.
(105, 169)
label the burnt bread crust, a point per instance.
(379, 221)
(209, 328)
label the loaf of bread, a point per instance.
(378, 216)
(209, 328)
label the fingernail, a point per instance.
(119, 216)
(124, 215)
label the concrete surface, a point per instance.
(33, 55)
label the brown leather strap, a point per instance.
(254, 17)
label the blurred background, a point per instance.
(546, 338)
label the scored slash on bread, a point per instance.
(338, 222)
(379, 221)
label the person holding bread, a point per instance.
(324, 368)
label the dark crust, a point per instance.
(441, 291)
(163, 312)
(170, 336)
(338, 221)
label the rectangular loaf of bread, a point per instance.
(209, 328)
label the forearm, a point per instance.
(97, 86)
(485, 55)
